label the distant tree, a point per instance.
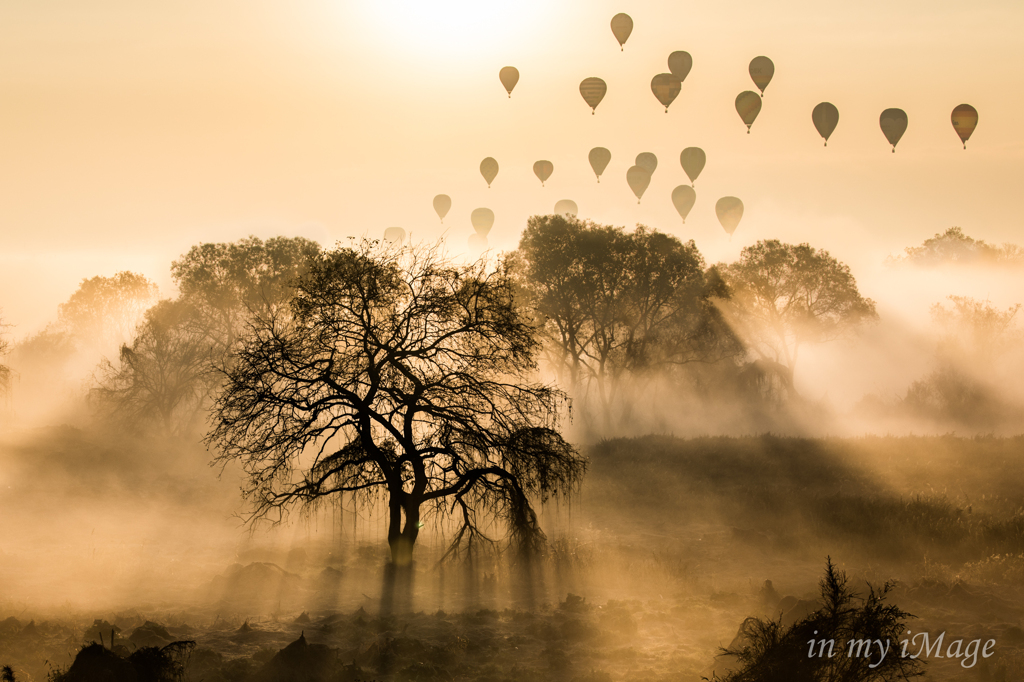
(163, 377)
(975, 332)
(613, 306)
(104, 311)
(5, 371)
(399, 372)
(166, 376)
(785, 296)
(955, 247)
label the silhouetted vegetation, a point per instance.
(403, 373)
(771, 652)
(785, 296)
(953, 247)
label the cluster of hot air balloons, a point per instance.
(666, 87)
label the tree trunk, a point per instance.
(402, 540)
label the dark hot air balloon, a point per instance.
(683, 198)
(638, 179)
(761, 71)
(965, 119)
(679, 64)
(893, 123)
(825, 117)
(748, 105)
(509, 76)
(482, 219)
(489, 169)
(665, 87)
(442, 202)
(729, 210)
(692, 160)
(593, 90)
(599, 158)
(622, 26)
(647, 161)
(543, 170)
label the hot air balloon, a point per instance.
(442, 202)
(965, 119)
(825, 117)
(638, 178)
(748, 105)
(543, 170)
(489, 169)
(647, 161)
(599, 158)
(729, 210)
(477, 243)
(566, 207)
(679, 64)
(894, 124)
(482, 219)
(395, 235)
(665, 87)
(761, 72)
(683, 197)
(622, 26)
(593, 90)
(509, 76)
(692, 160)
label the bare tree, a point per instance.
(396, 370)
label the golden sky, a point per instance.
(130, 131)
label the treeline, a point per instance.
(634, 325)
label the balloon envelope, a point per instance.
(683, 197)
(566, 207)
(748, 106)
(599, 158)
(665, 87)
(543, 170)
(761, 71)
(647, 161)
(638, 178)
(482, 219)
(965, 119)
(509, 76)
(825, 117)
(442, 202)
(593, 90)
(692, 159)
(893, 123)
(729, 210)
(395, 235)
(679, 64)
(622, 26)
(489, 169)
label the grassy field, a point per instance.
(656, 563)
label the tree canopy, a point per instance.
(955, 247)
(105, 310)
(787, 295)
(396, 371)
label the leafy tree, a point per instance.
(5, 371)
(785, 296)
(953, 246)
(104, 311)
(613, 306)
(399, 372)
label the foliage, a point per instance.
(785, 296)
(5, 371)
(771, 652)
(613, 306)
(396, 371)
(955, 247)
(105, 310)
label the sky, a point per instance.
(131, 131)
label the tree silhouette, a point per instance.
(5, 371)
(785, 296)
(103, 311)
(395, 370)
